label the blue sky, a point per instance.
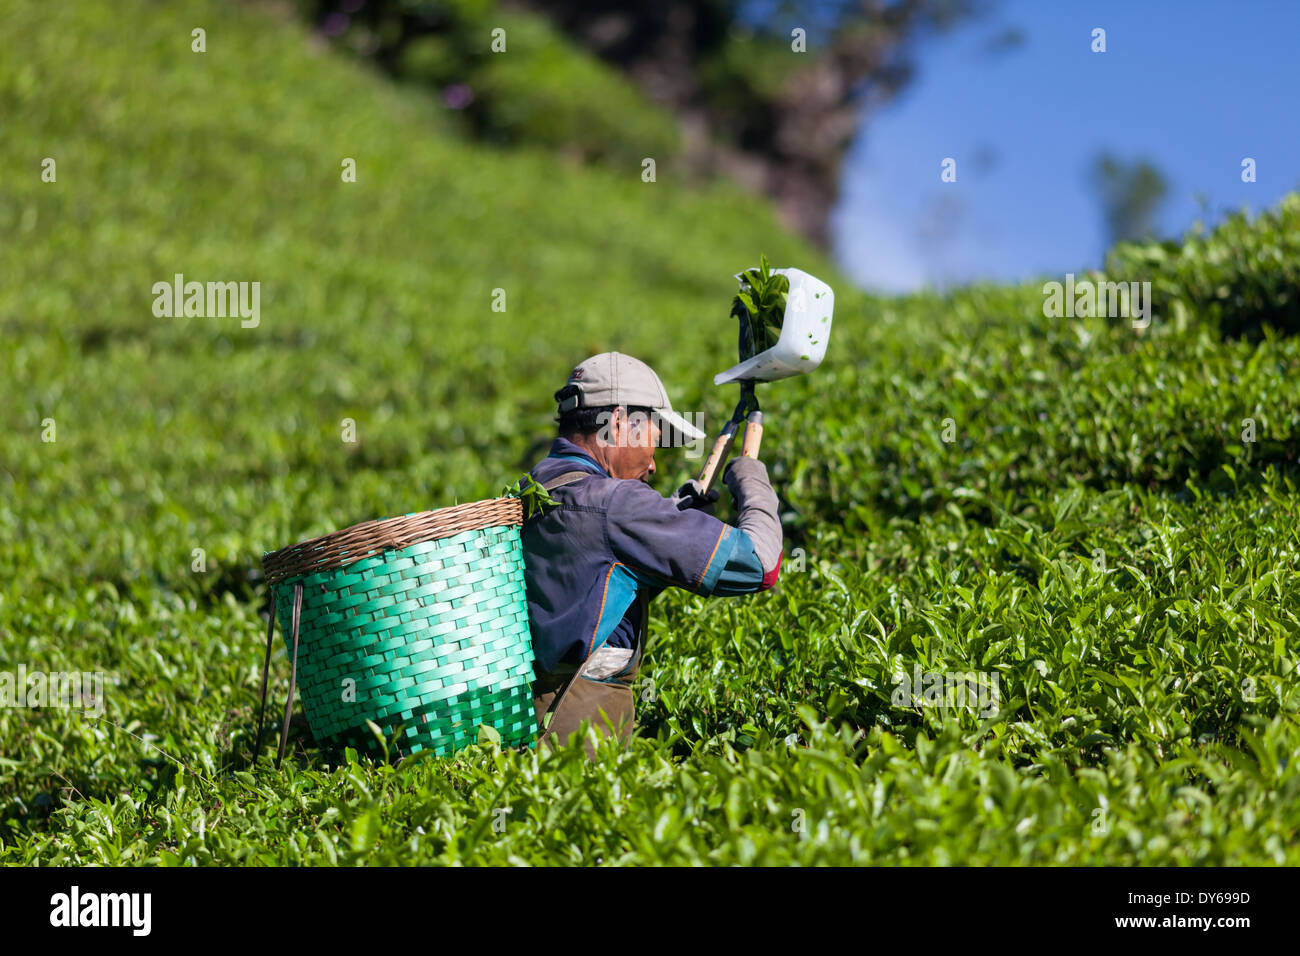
(1194, 86)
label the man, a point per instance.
(593, 564)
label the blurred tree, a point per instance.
(752, 107)
(767, 92)
(1130, 195)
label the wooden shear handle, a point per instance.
(753, 435)
(721, 449)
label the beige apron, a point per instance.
(599, 691)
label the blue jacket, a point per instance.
(611, 542)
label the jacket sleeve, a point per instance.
(758, 507)
(743, 573)
(688, 549)
(648, 534)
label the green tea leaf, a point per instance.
(536, 499)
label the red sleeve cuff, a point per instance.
(769, 579)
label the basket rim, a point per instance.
(344, 547)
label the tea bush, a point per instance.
(1243, 277)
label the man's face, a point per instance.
(631, 444)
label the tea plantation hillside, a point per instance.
(1098, 520)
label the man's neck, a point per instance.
(591, 447)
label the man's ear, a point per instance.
(610, 434)
(604, 429)
(618, 425)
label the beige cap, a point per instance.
(612, 378)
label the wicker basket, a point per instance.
(419, 621)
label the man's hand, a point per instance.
(688, 496)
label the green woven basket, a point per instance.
(419, 622)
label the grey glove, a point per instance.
(757, 504)
(688, 496)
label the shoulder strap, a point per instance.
(568, 478)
